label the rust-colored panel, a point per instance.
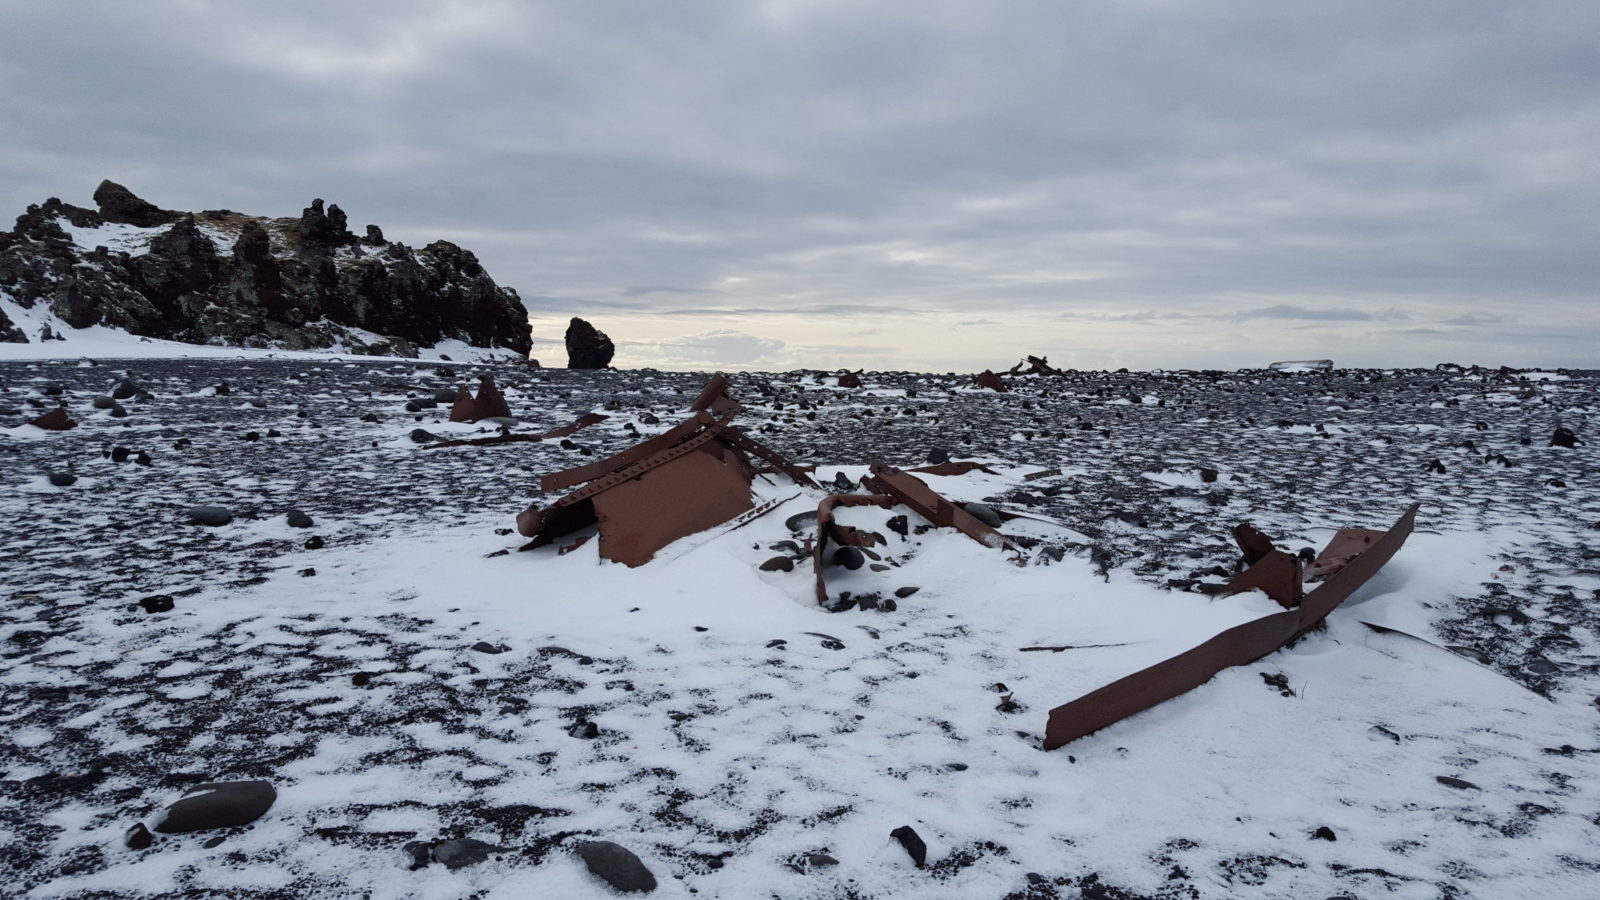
(54, 420)
(768, 455)
(1277, 574)
(575, 426)
(1252, 543)
(1042, 473)
(1236, 646)
(557, 481)
(489, 403)
(927, 503)
(850, 380)
(687, 494)
(1345, 546)
(991, 381)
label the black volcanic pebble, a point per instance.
(103, 403)
(213, 516)
(422, 435)
(778, 564)
(118, 412)
(220, 804)
(850, 557)
(157, 603)
(298, 519)
(1324, 833)
(486, 647)
(124, 390)
(120, 454)
(143, 459)
(617, 866)
(905, 592)
(909, 839)
(938, 456)
(1564, 437)
(63, 479)
(444, 395)
(1454, 782)
(315, 542)
(138, 837)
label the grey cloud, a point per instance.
(1184, 168)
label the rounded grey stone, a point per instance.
(617, 866)
(220, 804)
(213, 516)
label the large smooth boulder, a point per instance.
(218, 804)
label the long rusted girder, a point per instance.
(714, 397)
(988, 379)
(557, 481)
(1240, 645)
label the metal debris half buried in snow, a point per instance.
(1350, 559)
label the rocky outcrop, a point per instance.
(221, 277)
(587, 346)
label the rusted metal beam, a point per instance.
(1240, 645)
(909, 490)
(582, 422)
(557, 481)
(961, 467)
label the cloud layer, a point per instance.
(1142, 183)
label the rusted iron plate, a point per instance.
(576, 425)
(54, 420)
(489, 403)
(927, 503)
(849, 379)
(1252, 543)
(1276, 574)
(961, 467)
(1042, 473)
(557, 481)
(1036, 365)
(828, 529)
(991, 381)
(686, 494)
(1345, 546)
(1240, 645)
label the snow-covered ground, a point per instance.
(100, 342)
(741, 727)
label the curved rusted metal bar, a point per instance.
(1240, 645)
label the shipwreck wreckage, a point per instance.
(698, 475)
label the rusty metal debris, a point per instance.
(955, 468)
(988, 379)
(1349, 560)
(695, 476)
(892, 487)
(714, 397)
(573, 427)
(489, 404)
(54, 420)
(1036, 365)
(848, 379)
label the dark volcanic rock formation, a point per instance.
(587, 346)
(221, 277)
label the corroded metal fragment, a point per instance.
(1236, 646)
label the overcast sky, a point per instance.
(920, 185)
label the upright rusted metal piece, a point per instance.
(489, 403)
(849, 379)
(714, 397)
(988, 379)
(1036, 365)
(694, 476)
(1240, 645)
(830, 531)
(54, 420)
(911, 491)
